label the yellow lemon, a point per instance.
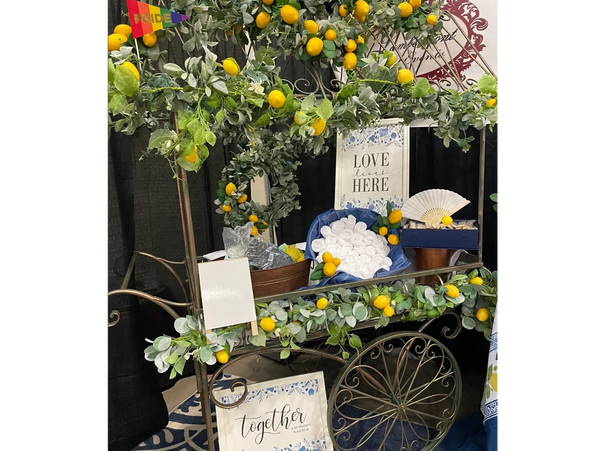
(360, 39)
(391, 60)
(262, 19)
(314, 46)
(327, 257)
(149, 39)
(395, 216)
(452, 290)
(330, 35)
(381, 301)
(483, 314)
(123, 29)
(349, 61)
(268, 2)
(115, 41)
(361, 18)
(276, 99)
(329, 269)
(289, 14)
(415, 3)
(361, 9)
(318, 126)
(431, 19)
(242, 199)
(193, 156)
(267, 324)
(405, 9)
(253, 218)
(254, 231)
(405, 76)
(476, 281)
(226, 208)
(490, 103)
(393, 239)
(351, 46)
(494, 382)
(388, 311)
(383, 231)
(336, 261)
(447, 220)
(231, 67)
(322, 303)
(311, 26)
(265, 223)
(343, 10)
(229, 188)
(222, 356)
(133, 69)
(300, 118)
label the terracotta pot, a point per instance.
(267, 282)
(430, 258)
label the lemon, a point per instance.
(395, 216)
(253, 218)
(329, 269)
(337, 261)
(452, 290)
(262, 19)
(265, 223)
(327, 257)
(226, 208)
(231, 67)
(133, 69)
(322, 303)
(476, 281)
(254, 231)
(314, 46)
(415, 3)
(222, 356)
(276, 99)
(351, 46)
(490, 103)
(494, 382)
(405, 76)
(311, 26)
(193, 156)
(447, 220)
(405, 9)
(115, 41)
(229, 188)
(431, 19)
(289, 14)
(318, 126)
(267, 324)
(360, 39)
(149, 39)
(388, 311)
(123, 29)
(242, 199)
(383, 231)
(349, 61)
(381, 301)
(300, 118)
(330, 35)
(361, 18)
(393, 240)
(343, 10)
(361, 9)
(268, 2)
(483, 314)
(391, 60)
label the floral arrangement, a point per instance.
(189, 108)
(335, 312)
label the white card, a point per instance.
(226, 290)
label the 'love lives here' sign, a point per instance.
(284, 414)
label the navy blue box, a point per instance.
(467, 239)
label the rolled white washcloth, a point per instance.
(337, 227)
(382, 240)
(326, 231)
(352, 254)
(387, 261)
(365, 258)
(351, 222)
(345, 235)
(318, 245)
(357, 238)
(348, 246)
(373, 267)
(368, 236)
(370, 251)
(360, 227)
(334, 249)
(377, 258)
(344, 221)
(331, 239)
(361, 248)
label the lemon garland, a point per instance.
(336, 312)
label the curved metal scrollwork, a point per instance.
(114, 314)
(446, 331)
(402, 392)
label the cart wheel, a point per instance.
(401, 392)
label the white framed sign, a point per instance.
(372, 167)
(288, 414)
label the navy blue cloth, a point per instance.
(470, 434)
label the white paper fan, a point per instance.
(432, 205)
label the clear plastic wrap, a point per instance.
(264, 255)
(237, 241)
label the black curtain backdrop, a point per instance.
(143, 215)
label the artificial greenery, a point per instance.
(343, 311)
(190, 108)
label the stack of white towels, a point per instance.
(362, 252)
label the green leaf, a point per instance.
(345, 355)
(117, 103)
(263, 120)
(354, 341)
(490, 371)
(317, 274)
(468, 323)
(173, 70)
(111, 72)
(211, 138)
(325, 109)
(173, 373)
(422, 88)
(361, 313)
(220, 117)
(487, 84)
(179, 365)
(284, 354)
(205, 353)
(172, 358)
(221, 86)
(301, 336)
(126, 82)
(260, 339)
(159, 137)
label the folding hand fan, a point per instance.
(432, 205)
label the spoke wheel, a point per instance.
(401, 392)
